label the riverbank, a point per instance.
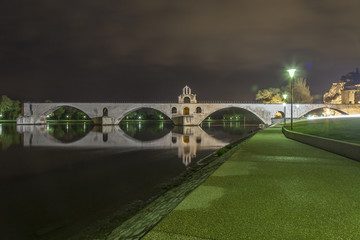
(7, 121)
(271, 187)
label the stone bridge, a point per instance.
(186, 112)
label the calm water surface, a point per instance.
(57, 179)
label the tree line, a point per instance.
(276, 95)
(9, 109)
(146, 114)
(68, 113)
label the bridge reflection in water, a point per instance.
(187, 139)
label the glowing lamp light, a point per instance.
(285, 96)
(291, 72)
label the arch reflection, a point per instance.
(187, 140)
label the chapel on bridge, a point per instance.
(187, 96)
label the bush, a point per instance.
(220, 151)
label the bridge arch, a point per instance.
(52, 109)
(303, 113)
(208, 113)
(279, 114)
(125, 113)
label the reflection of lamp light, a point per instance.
(292, 73)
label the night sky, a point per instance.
(112, 51)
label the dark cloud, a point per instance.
(85, 50)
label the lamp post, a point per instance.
(284, 96)
(292, 73)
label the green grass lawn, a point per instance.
(343, 129)
(271, 188)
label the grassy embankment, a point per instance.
(343, 129)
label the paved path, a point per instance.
(271, 188)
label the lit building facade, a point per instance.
(347, 91)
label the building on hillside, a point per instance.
(347, 91)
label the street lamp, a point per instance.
(292, 73)
(284, 96)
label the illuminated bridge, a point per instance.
(186, 112)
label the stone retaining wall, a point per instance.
(345, 149)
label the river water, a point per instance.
(56, 180)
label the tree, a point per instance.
(80, 115)
(271, 95)
(59, 113)
(9, 109)
(274, 95)
(301, 91)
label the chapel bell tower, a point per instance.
(187, 96)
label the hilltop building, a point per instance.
(347, 91)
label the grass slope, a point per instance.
(344, 129)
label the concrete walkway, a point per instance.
(271, 188)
